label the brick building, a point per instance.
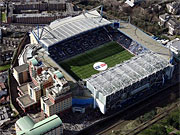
(41, 6)
(21, 74)
(41, 18)
(58, 97)
(48, 83)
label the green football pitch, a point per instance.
(81, 66)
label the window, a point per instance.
(31, 93)
(64, 104)
(44, 107)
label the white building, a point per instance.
(132, 2)
(174, 46)
(173, 8)
(115, 85)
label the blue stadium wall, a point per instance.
(82, 102)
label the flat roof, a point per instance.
(145, 40)
(47, 101)
(58, 74)
(32, 85)
(4, 115)
(36, 2)
(36, 15)
(62, 29)
(24, 88)
(127, 73)
(176, 44)
(21, 68)
(26, 101)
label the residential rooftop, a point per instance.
(21, 68)
(3, 115)
(26, 101)
(165, 16)
(176, 44)
(32, 85)
(174, 23)
(24, 88)
(40, 2)
(47, 100)
(36, 15)
(2, 86)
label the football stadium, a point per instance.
(116, 63)
(82, 65)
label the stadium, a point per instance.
(77, 43)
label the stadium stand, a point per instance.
(65, 38)
(125, 41)
(92, 39)
(63, 29)
(125, 80)
(79, 44)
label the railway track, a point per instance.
(148, 105)
(123, 119)
(144, 125)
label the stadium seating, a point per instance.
(78, 44)
(91, 39)
(125, 41)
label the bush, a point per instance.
(155, 130)
(148, 116)
(173, 119)
(164, 126)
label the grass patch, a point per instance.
(81, 66)
(3, 17)
(5, 67)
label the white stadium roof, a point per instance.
(127, 73)
(62, 29)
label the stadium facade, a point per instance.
(125, 80)
(68, 37)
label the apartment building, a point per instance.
(132, 2)
(41, 6)
(13, 42)
(20, 73)
(37, 18)
(6, 56)
(48, 88)
(30, 93)
(58, 97)
(173, 8)
(173, 26)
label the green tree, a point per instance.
(156, 129)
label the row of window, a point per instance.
(61, 106)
